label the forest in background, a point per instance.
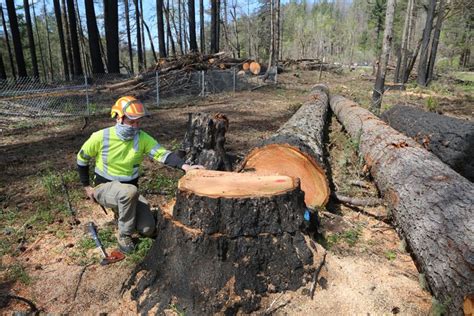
(61, 38)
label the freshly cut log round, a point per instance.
(220, 250)
(431, 203)
(245, 66)
(451, 139)
(255, 68)
(297, 149)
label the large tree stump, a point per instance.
(297, 149)
(229, 239)
(451, 139)
(432, 204)
(204, 141)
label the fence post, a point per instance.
(203, 83)
(88, 111)
(157, 75)
(234, 79)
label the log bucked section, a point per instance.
(230, 239)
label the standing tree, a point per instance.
(271, 55)
(161, 28)
(201, 26)
(59, 23)
(20, 58)
(7, 41)
(435, 41)
(3, 74)
(76, 54)
(43, 64)
(129, 35)
(139, 36)
(384, 57)
(112, 35)
(48, 41)
(425, 45)
(94, 38)
(192, 27)
(31, 39)
(68, 38)
(215, 20)
(168, 30)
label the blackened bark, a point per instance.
(7, 41)
(425, 45)
(435, 42)
(214, 26)
(112, 35)
(31, 39)
(20, 58)
(168, 30)
(139, 36)
(129, 36)
(3, 74)
(430, 202)
(192, 27)
(76, 54)
(201, 26)
(94, 38)
(161, 28)
(451, 139)
(59, 24)
(204, 141)
(68, 38)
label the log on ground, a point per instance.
(229, 239)
(296, 149)
(430, 202)
(451, 139)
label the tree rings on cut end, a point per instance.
(235, 185)
(255, 68)
(283, 159)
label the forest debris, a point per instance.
(368, 201)
(316, 274)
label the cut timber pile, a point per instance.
(297, 149)
(431, 203)
(230, 239)
(309, 64)
(451, 139)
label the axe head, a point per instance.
(113, 257)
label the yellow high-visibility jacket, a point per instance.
(116, 159)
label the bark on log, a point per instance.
(205, 139)
(451, 139)
(432, 204)
(297, 149)
(229, 240)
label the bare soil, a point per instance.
(44, 257)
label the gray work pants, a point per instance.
(133, 209)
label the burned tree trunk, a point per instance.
(451, 139)
(297, 149)
(230, 239)
(204, 141)
(432, 204)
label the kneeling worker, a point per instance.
(118, 152)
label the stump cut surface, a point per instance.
(230, 184)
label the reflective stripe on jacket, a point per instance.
(116, 159)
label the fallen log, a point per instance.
(229, 239)
(297, 149)
(431, 203)
(451, 139)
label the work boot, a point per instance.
(126, 243)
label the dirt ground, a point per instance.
(54, 264)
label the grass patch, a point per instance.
(144, 244)
(17, 272)
(390, 255)
(349, 237)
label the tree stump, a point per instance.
(297, 149)
(228, 240)
(204, 141)
(451, 139)
(430, 202)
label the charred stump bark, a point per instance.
(451, 139)
(229, 239)
(205, 139)
(431, 204)
(296, 149)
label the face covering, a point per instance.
(126, 132)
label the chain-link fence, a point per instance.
(90, 95)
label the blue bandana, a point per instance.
(126, 132)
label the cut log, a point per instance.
(204, 141)
(255, 68)
(228, 240)
(297, 149)
(430, 202)
(451, 139)
(245, 66)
